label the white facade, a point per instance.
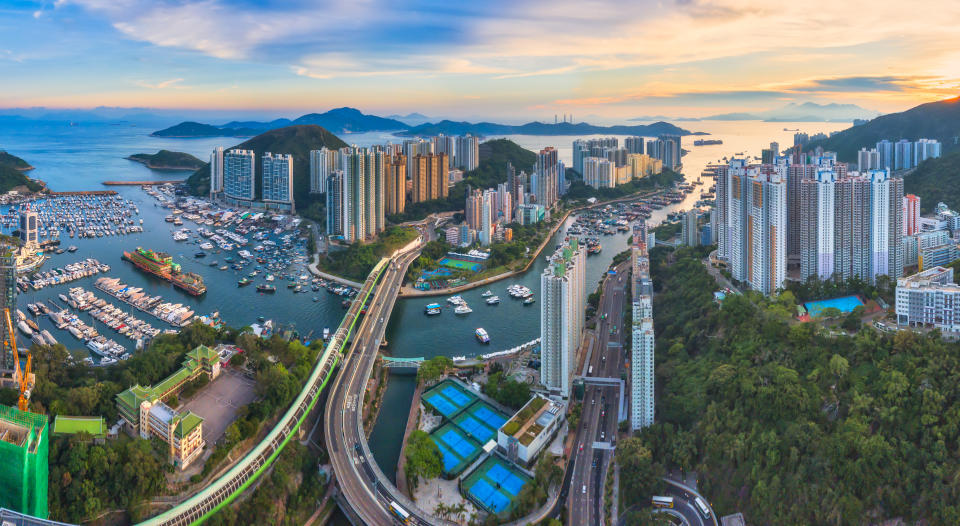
(216, 170)
(323, 162)
(277, 178)
(562, 305)
(468, 152)
(239, 174)
(929, 299)
(757, 224)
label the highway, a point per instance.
(600, 407)
(360, 480)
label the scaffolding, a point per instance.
(24, 450)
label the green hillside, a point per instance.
(936, 181)
(294, 140)
(935, 120)
(14, 162)
(12, 175)
(490, 171)
(168, 160)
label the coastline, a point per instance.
(407, 291)
(161, 168)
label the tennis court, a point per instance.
(474, 428)
(845, 304)
(448, 398)
(494, 485)
(460, 264)
(480, 421)
(458, 450)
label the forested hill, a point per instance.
(168, 160)
(935, 120)
(294, 140)
(542, 128)
(935, 181)
(12, 174)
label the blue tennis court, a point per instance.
(505, 479)
(456, 396)
(450, 460)
(441, 404)
(489, 496)
(474, 428)
(458, 443)
(845, 304)
(494, 420)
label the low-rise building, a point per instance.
(523, 436)
(936, 256)
(929, 299)
(144, 413)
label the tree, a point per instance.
(424, 459)
(640, 476)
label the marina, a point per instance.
(177, 315)
(61, 275)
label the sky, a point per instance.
(491, 59)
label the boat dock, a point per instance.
(141, 183)
(176, 315)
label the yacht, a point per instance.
(462, 309)
(493, 300)
(487, 293)
(482, 335)
(456, 300)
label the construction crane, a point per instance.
(25, 378)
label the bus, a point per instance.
(662, 502)
(400, 513)
(590, 371)
(702, 507)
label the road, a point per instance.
(601, 406)
(361, 483)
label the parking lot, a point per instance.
(219, 401)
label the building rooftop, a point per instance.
(69, 425)
(933, 276)
(187, 422)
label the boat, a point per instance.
(456, 300)
(72, 248)
(243, 282)
(482, 335)
(200, 254)
(493, 300)
(432, 309)
(487, 293)
(529, 301)
(33, 325)
(22, 325)
(462, 309)
(263, 287)
(161, 265)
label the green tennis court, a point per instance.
(70, 425)
(460, 264)
(494, 485)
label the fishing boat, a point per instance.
(263, 287)
(482, 335)
(432, 309)
(529, 301)
(243, 282)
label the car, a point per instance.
(356, 447)
(602, 435)
(583, 489)
(593, 401)
(603, 412)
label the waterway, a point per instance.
(79, 157)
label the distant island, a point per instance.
(168, 160)
(707, 142)
(351, 120)
(12, 175)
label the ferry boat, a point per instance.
(263, 287)
(161, 265)
(482, 335)
(493, 300)
(462, 309)
(432, 309)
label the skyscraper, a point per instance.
(472, 208)
(642, 337)
(757, 226)
(925, 149)
(634, 144)
(323, 162)
(468, 152)
(668, 149)
(277, 180)
(868, 160)
(903, 155)
(239, 174)
(216, 171)
(547, 170)
(374, 191)
(911, 214)
(599, 173)
(562, 305)
(334, 201)
(353, 222)
(485, 230)
(885, 153)
(689, 235)
(852, 226)
(445, 144)
(28, 228)
(396, 185)
(429, 177)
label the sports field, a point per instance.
(458, 450)
(460, 264)
(494, 485)
(448, 399)
(76, 424)
(845, 304)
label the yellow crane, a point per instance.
(25, 378)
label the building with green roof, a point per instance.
(143, 411)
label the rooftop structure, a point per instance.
(527, 432)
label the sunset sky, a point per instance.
(493, 58)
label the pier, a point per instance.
(142, 183)
(81, 194)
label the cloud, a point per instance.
(171, 83)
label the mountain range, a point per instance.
(804, 112)
(350, 120)
(934, 120)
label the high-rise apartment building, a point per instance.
(563, 300)
(429, 177)
(374, 186)
(851, 226)
(485, 232)
(668, 149)
(548, 173)
(903, 155)
(634, 145)
(756, 225)
(925, 149)
(868, 160)
(468, 152)
(599, 173)
(216, 171)
(396, 185)
(335, 204)
(911, 214)
(239, 168)
(323, 162)
(642, 337)
(445, 144)
(689, 234)
(362, 194)
(277, 181)
(885, 153)
(472, 208)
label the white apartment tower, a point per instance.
(239, 167)
(757, 225)
(641, 365)
(323, 162)
(216, 171)
(277, 180)
(563, 300)
(468, 152)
